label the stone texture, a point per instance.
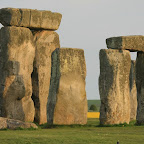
(133, 92)
(17, 53)
(6, 123)
(46, 42)
(140, 87)
(114, 86)
(131, 43)
(67, 102)
(30, 18)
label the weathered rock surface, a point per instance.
(67, 102)
(140, 87)
(17, 53)
(133, 92)
(46, 42)
(6, 123)
(30, 18)
(114, 86)
(131, 43)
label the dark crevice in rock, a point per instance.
(21, 16)
(40, 29)
(35, 93)
(30, 19)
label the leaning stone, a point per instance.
(140, 87)
(33, 19)
(67, 102)
(133, 92)
(131, 43)
(17, 53)
(46, 42)
(6, 123)
(114, 86)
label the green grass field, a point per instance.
(88, 134)
(95, 102)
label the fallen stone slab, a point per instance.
(114, 86)
(67, 102)
(33, 19)
(131, 43)
(17, 52)
(140, 87)
(45, 42)
(6, 123)
(133, 91)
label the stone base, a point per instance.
(6, 123)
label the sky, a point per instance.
(87, 23)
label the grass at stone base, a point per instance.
(91, 133)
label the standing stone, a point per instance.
(46, 42)
(140, 87)
(33, 19)
(114, 86)
(131, 43)
(67, 102)
(17, 53)
(133, 92)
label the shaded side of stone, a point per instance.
(114, 86)
(54, 85)
(131, 43)
(17, 53)
(114, 42)
(133, 91)
(140, 87)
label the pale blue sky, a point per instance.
(87, 23)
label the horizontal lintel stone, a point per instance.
(132, 43)
(33, 19)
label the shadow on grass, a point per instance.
(94, 124)
(19, 128)
(91, 123)
(132, 123)
(48, 126)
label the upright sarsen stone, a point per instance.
(133, 91)
(67, 102)
(17, 53)
(114, 86)
(45, 42)
(140, 87)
